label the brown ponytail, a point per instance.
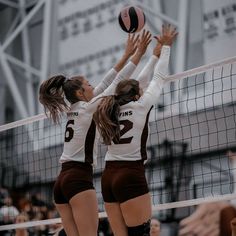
(51, 96)
(107, 115)
(106, 119)
(53, 90)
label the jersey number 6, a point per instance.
(69, 132)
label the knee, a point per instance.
(140, 230)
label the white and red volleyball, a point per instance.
(131, 19)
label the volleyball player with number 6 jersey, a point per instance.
(122, 120)
(74, 193)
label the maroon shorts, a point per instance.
(75, 177)
(123, 180)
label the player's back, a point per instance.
(79, 135)
(131, 146)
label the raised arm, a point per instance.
(130, 48)
(147, 72)
(154, 89)
(126, 72)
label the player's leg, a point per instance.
(85, 211)
(112, 207)
(137, 213)
(116, 219)
(67, 218)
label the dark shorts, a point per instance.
(123, 180)
(75, 177)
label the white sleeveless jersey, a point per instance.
(134, 116)
(80, 142)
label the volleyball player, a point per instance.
(122, 120)
(74, 193)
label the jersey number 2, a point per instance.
(69, 133)
(128, 125)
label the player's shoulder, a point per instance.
(133, 109)
(78, 106)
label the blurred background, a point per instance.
(192, 134)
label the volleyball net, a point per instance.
(191, 151)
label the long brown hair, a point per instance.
(53, 91)
(107, 114)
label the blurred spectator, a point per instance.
(3, 194)
(37, 200)
(21, 218)
(8, 212)
(52, 214)
(39, 230)
(29, 208)
(155, 227)
(60, 232)
(104, 228)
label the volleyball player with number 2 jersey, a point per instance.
(74, 194)
(122, 120)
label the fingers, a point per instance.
(145, 37)
(163, 29)
(173, 32)
(133, 38)
(168, 35)
(131, 44)
(136, 39)
(170, 30)
(158, 38)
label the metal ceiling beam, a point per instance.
(24, 110)
(45, 42)
(13, 85)
(9, 3)
(21, 64)
(182, 29)
(27, 60)
(13, 25)
(181, 50)
(22, 24)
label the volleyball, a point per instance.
(131, 19)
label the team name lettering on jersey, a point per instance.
(72, 114)
(126, 113)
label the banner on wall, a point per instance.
(219, 26)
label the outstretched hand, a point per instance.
(142, 44)
(144, 41)
(131, 44)
(130, 49)
(168, 35)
